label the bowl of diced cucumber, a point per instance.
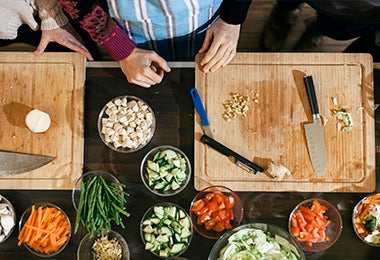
(166, 230)
(165, 170)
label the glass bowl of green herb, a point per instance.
(99, 199)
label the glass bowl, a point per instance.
(55, 230)
(320, 216)
(255, 233)
(85, 249)
(364, 221)
(7, 218)
(75, 194)
(126, 124)
(166, 230)
(165, 170)
(210, 211)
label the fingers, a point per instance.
(206, 43)
(78, 47)
(41, 46)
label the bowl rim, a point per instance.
(199, 228)
(120, 239)
(84, 175)
(328, 243)
(45, 204)
(258, 225)
(150, 210)
(110, 145)
(353, 217)
(152, 152)
(4, 200)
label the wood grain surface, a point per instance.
(53, 83)
(273, 128)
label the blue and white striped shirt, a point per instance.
(153, 20)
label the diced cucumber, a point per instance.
(167, 231)
(167, 171)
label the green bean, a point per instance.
(100, 204)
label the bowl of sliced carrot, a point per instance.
(214, 210)
(44, 229)
(316, 224)
(366, 219)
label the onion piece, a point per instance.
(37, 121)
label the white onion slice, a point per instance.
(37, 121)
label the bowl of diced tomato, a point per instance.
(316, 224)
(214, 210)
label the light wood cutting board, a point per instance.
(273, 128)
(53, 83)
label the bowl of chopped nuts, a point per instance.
(111, 245)
(126, 124)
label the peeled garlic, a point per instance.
(37, 121)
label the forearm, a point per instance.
(234, 11)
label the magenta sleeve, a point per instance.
(118, 44)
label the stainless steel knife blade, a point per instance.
(201, 111)
(314, 132)
(12, 163)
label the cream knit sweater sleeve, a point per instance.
(51, 14)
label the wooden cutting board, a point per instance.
(273, 127)
(53, 83)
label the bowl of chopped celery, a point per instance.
(315, 224)
(166, 230)
(366, 219)
(267, 241)
(165, 170)
(110, 245)
(100, 201)
(126, 124)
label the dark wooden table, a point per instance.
(175, 115)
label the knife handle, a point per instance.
(228, 152)
(309, 84)
(199, 106)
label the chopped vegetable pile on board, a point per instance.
(100, 203)
(309, 224)
(46, 230)
(214, 211)
(367, 219)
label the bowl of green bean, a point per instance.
(99, 199)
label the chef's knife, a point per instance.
(314, 132)
(237, 158)
(201, 111)
(12, 163)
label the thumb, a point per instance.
(41, 46)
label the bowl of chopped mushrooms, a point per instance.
(110, 246)
(126, 124)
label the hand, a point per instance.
(65, 36)
(220, 45)
(144, 68)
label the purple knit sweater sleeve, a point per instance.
(101, 27)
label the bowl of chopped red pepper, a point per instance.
(214, 210)
(315, 224)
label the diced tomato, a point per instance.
(309, 224)
(219, 227)
(198, 205)
(214, 211)
(229, 201)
